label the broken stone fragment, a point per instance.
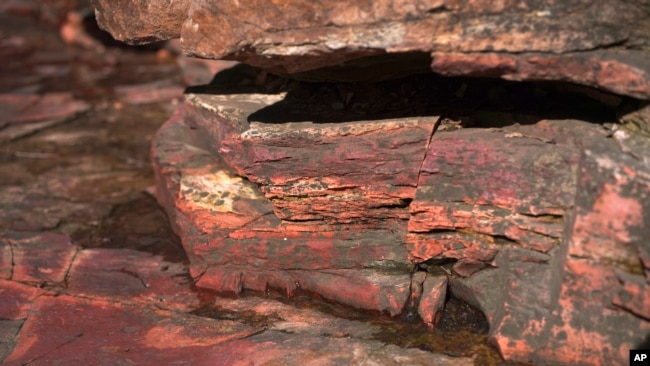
(599, 43)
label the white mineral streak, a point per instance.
(215, 191)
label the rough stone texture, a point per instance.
(512, 214)
(276, 347)
(137, 27)
(598, 43)
(90, 272)
(15, 302)
(129, 275)
(24, 114)
(29, 266)
(158, 337)
(225, 220)
(434, 293)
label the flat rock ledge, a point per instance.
(599, 43)
(542, 225)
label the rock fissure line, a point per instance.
(73, 339)
(13, 263)
(434, 128)
(68, 269)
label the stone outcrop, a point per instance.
(598, 43)
(397, 208)
(393, 197)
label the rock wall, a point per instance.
(394, 197)
(542, 224)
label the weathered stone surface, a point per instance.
(23, 114)
(133, 276)
(623, 72)
(156, 91)
(225, 220)
(120, 334)
(85, 180)
(434, 293)
(6, 260)
(500, 207)
(590, 287)
(276, 347)
(29, 265)
(483, 190)
(9, 329)
(137, 27)
(16, 300)
(597, 43)
(286, 318)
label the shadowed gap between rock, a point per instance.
(473, 102)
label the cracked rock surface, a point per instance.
(392, 196)
(90, 271)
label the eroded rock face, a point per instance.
(541, 224)
(598, 43)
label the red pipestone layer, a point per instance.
(536, 218)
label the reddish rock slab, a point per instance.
(16, 299)
(65, 330)
(41, 258)
(634, 296)
(273, 347)
(31, 208)
(362, 288)
(483, 190)
(131, 276)
(327, 186)
(23, 114)
(365, 289)
(287, 318)
(597, 43)
(583, 301)
(226, 220)
(607, 237)
(138, 26)
(622, 72)
(432, 302)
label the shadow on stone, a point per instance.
(470, 102)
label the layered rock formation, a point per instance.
(391, 197)
(598, 43)
(541, 224)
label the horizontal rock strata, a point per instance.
(526, 221)
(598, 43)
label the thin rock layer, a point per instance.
(599, 43)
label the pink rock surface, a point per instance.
(16, 299)
(434, 293)
(131, 276)
(120, 333)
(29, 265)
(508, 207)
